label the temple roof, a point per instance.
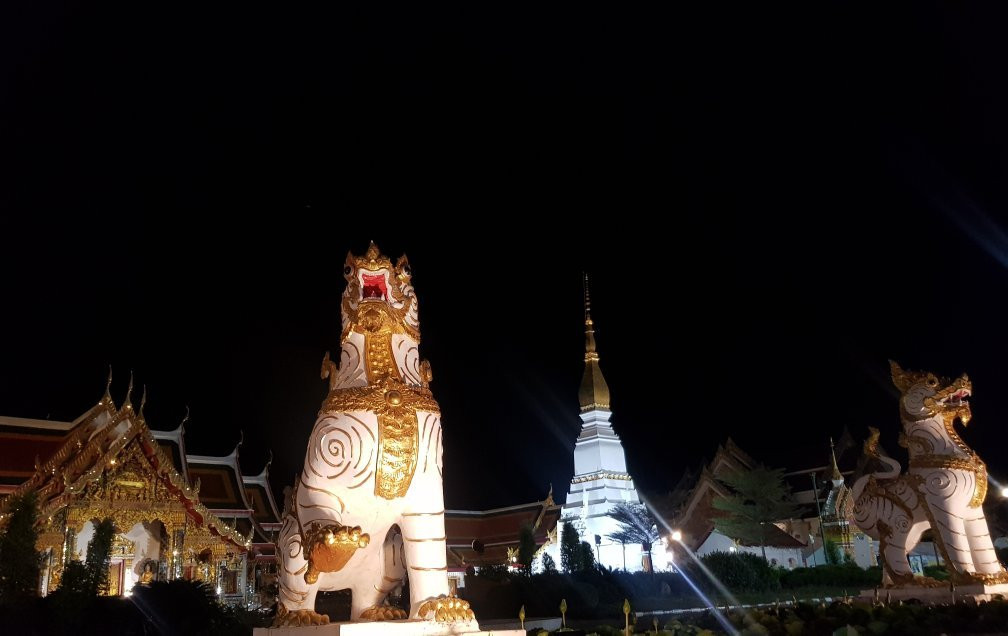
(38, 454)
(260, 495)
(173, 444)
(102, 442)
(594, 392)
(222, 485)
(23, 442)
(497, 530)
(694, 517)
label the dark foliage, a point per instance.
(637, 525)
(570, 559)
(99, 552)
(548, 565)
(586, 557)
(846, 575)
(742, 571)
(834, 555)
(187, 607)
(19, 561)
(757, 498)
(526, 548)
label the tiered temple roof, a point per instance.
(265, 513)
(141, 481)
(63, 461)
(480, 537)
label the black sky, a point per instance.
(771, 203)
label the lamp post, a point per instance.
(815, 488)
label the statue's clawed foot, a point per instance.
(383, 613)
(298, 618)
(446, 609)
(330, 546)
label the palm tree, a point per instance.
(637, 525)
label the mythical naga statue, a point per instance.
(943, 488)
(368, 506)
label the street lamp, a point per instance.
(676, 535)
(1004, 492)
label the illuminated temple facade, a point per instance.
(176, 515)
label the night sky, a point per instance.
(770, 202)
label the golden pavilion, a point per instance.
(176, 515)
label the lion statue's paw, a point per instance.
(298, 618)
(383, 613)
(446, 609)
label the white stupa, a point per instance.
(600, 473)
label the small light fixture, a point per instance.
(676, 535)
(1004, 492)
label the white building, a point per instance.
(600, 473)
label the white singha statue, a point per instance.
(368, 506)
(943, 488)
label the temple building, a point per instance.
(175, 515)
(600, 473)
(689, 509)
(490, 537)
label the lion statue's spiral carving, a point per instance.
(367, 509)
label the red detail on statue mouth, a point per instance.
(960, 396)
(374, 287)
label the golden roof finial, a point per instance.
(594, 391)
(373, 253)
(143, 401)
(108, 386)
(129, 393)
(590, 353)
(836, 475)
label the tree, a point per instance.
(637, 525)
(19, 561)
(549, 566)
(570, 557)
(586, 557)
(757, 497)
(832, 552)
(99, 552)
(526, 548)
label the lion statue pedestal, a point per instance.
(414, 627)
(938, 595)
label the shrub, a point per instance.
(186, 607)
(548, 565)
(741, 571)
(849, 575)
